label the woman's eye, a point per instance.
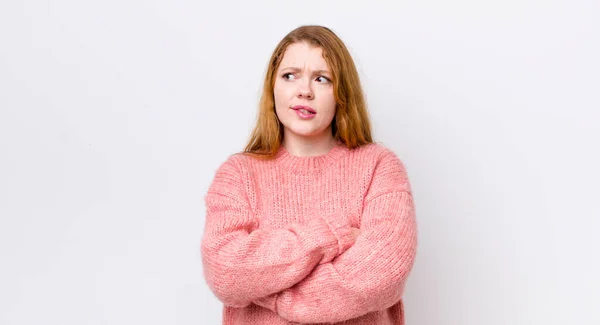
(288, 76)
(322, 79)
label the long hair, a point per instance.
(351, 125)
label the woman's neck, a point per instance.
(301, 146)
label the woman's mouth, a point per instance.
(304, 112)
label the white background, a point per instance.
(114, 116)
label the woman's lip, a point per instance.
(308, 108)
(303, 115)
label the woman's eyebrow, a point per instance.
(296, 69)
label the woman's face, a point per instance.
(304, 100)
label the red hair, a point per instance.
(350, 125)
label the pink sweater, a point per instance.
(277, 245)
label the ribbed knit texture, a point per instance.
(277, 245)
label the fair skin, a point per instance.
(305, 79)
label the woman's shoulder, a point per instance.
(376, 150)
(240, 163)
(386, 165)
(381, 157)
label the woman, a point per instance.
(313, 222)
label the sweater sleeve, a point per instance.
(242, 262)
(370, 275)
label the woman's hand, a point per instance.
(355, 232)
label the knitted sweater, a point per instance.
(277, 246)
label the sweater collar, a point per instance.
(307, 164)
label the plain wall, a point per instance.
(114, 116)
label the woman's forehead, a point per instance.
(303, 56)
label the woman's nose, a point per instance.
(304, 91)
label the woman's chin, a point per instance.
(306, 134)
